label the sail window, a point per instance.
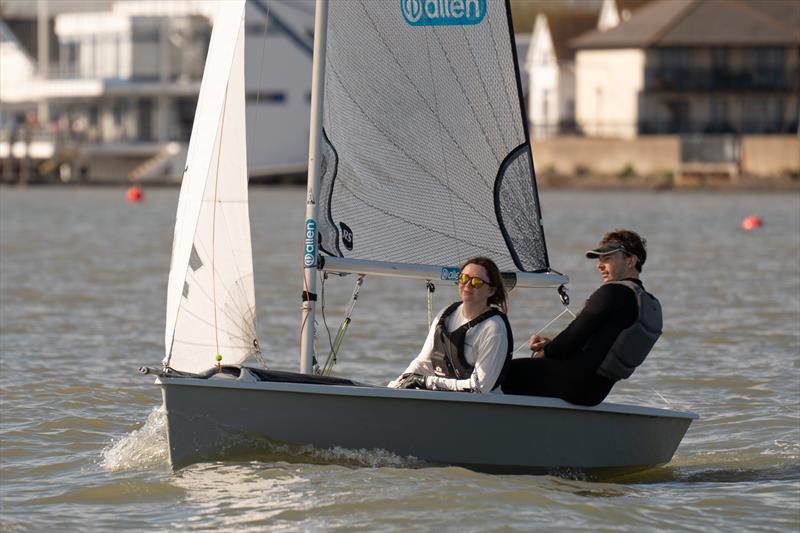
(194, 260)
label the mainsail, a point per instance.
(425, 154)
(211, 297)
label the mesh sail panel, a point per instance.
(426, 158)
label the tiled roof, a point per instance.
(630, 5)
(566, 26)
(703, 23)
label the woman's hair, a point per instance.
(499, 298)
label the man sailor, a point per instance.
(609, 338)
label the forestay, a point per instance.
(426, 157)
(210, 299)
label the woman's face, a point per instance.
(471, 294)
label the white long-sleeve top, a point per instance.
(485, 347)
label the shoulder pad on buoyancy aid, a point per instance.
(635, 342)
(447, 356)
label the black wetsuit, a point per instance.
(569, 368)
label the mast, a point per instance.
(310, 256)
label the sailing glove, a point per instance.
(412, 381)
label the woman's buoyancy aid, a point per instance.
(634, 342)
(447, 356)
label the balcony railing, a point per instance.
(708, 79)
(763, 126)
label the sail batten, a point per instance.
(211, 297)
(426, 159)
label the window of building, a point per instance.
(764, 114)
(266, 97)
(719, 58)
(676, 57)
(678, 111)
(145, 119)
(766, 57)
(68, 57)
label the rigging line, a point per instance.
(410, 157)
(254, 129)
(559, 315)
(324, 277)
(669, 404)
(399, 68)
(441, 144)
(214, 218)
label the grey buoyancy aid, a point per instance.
(447, 356)
(635, 342)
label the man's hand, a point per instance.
(537, 345)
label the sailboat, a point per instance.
(419, 157)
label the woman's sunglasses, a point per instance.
(476, 283)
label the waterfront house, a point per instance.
(692, 66)
(550, 64)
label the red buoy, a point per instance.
(751, 222)
(134, 194)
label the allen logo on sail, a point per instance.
(310, 244)
(443, 12)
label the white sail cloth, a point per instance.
(211, 297)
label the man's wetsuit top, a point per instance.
(569, 368)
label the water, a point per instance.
(82, 445)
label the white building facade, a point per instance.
(120, 96)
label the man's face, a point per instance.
(616, 266)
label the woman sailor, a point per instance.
(468, 347)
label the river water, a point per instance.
(82, 447)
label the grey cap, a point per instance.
(605, 249)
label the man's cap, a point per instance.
(607, 248)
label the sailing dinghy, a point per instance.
(419, 158)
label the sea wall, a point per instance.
(572, 155)
(764, 156)
(770, 155)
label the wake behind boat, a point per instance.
(416, 123)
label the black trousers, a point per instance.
(556, 379)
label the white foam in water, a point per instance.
(141, 448)
(374, 457)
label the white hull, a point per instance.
(211, 419)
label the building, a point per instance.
(550, 65)
(118, 96)
(692, 66)
(614, 12)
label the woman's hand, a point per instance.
(409, 381)
(537, 345)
